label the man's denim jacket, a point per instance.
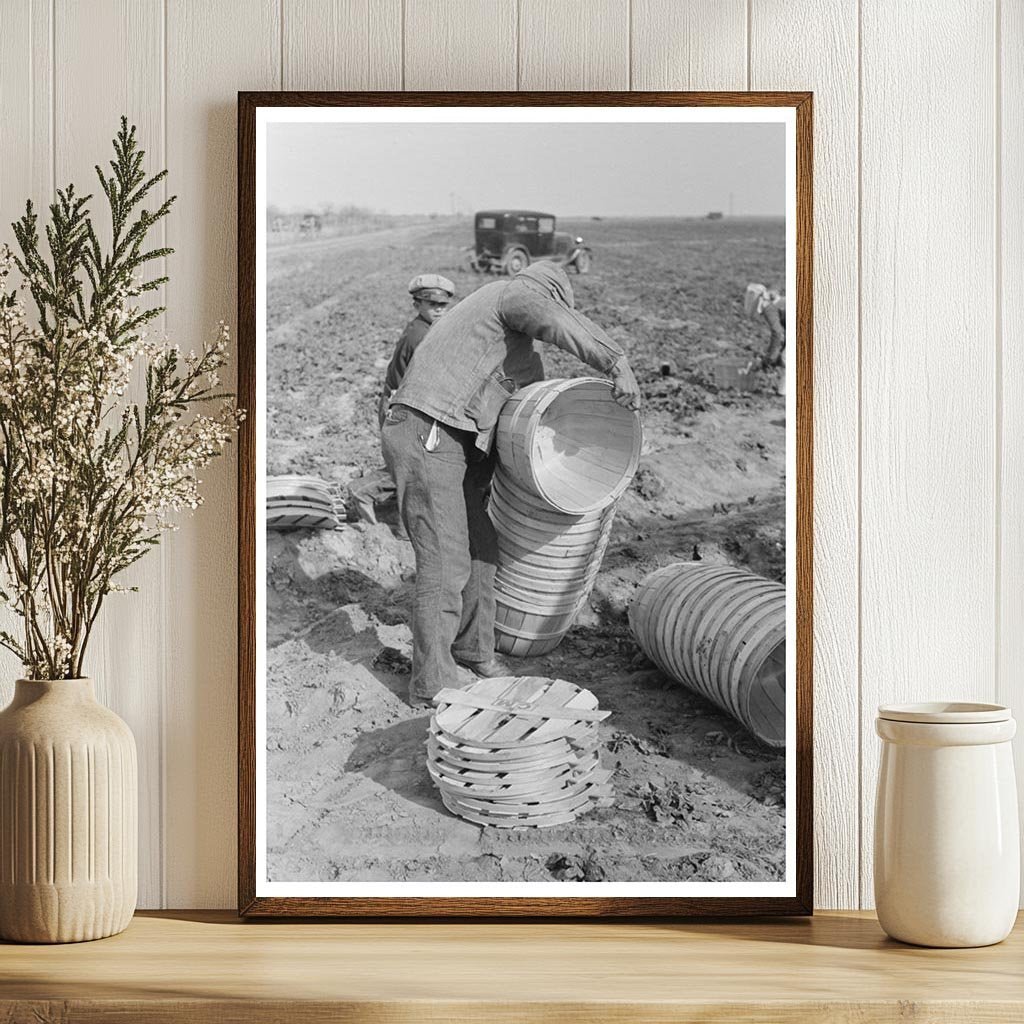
(482, 350)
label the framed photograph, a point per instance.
(525, 495)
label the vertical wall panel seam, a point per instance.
(519, 36)
(402, 41)
(53, 99)
(997, 213)
(750, 22)
(165, 675)
(33, 169)
(280, 42)
(859, 867)
(629, 45)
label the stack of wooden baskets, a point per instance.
(300, 503)
(518, 752)
(566, 450)
(720, 631)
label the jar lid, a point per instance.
(945, 713)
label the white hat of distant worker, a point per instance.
(431, 286)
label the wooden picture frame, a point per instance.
(253, 901)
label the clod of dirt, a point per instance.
(647, 483)
(718, 868)
(673, 804)
(575, 868)
(624, 740)
(769, 786)
(682, 398)
(393, 661)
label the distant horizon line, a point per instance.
(558, 216)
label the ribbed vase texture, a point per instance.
(68, 815)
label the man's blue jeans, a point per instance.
(442, 497)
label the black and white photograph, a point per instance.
(525, 514)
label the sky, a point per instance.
(668, 169)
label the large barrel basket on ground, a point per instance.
(567, 450)
(720, 631)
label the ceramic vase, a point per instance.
(947, 845)
(68, 815)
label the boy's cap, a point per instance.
(431, 286)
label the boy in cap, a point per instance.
(431, 294)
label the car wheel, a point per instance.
(582, 263)
(516, 260)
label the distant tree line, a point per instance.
(327, 220)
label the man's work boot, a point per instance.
(492, 669)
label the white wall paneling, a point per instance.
(699, 44)
(574, 44)
(26, 166)
(126, 656)
(919, 302)
(460, 44)
(830, 70)
(1009, 254)
(342, 44)
(928, 359)
(213, 51)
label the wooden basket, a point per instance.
(547, 564)
(570, 443)
(518, 752)
(299, 503)
(722, 632)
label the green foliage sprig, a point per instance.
(89, 477)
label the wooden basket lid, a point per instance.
(518, 712)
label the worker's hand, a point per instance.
(626, 390)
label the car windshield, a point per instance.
(486, 223)
(546, 224)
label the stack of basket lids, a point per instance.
(518, 752)
(299, 503)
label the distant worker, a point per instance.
(762, 303)
(432, 295)
(437, 440)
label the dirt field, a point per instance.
(349, 798)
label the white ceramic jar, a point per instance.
(947, 845)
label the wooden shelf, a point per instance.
(203, 967)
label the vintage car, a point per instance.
(508, 241)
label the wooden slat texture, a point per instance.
(690, 44)
(928, 364)
(460, 44)
(207, 968)
(342, 44)
(574, 44)
(214, 50)
(26, 168)
(1010, 675)
(126, 652)
(830, 70)
(939, 615)
(26, 106)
